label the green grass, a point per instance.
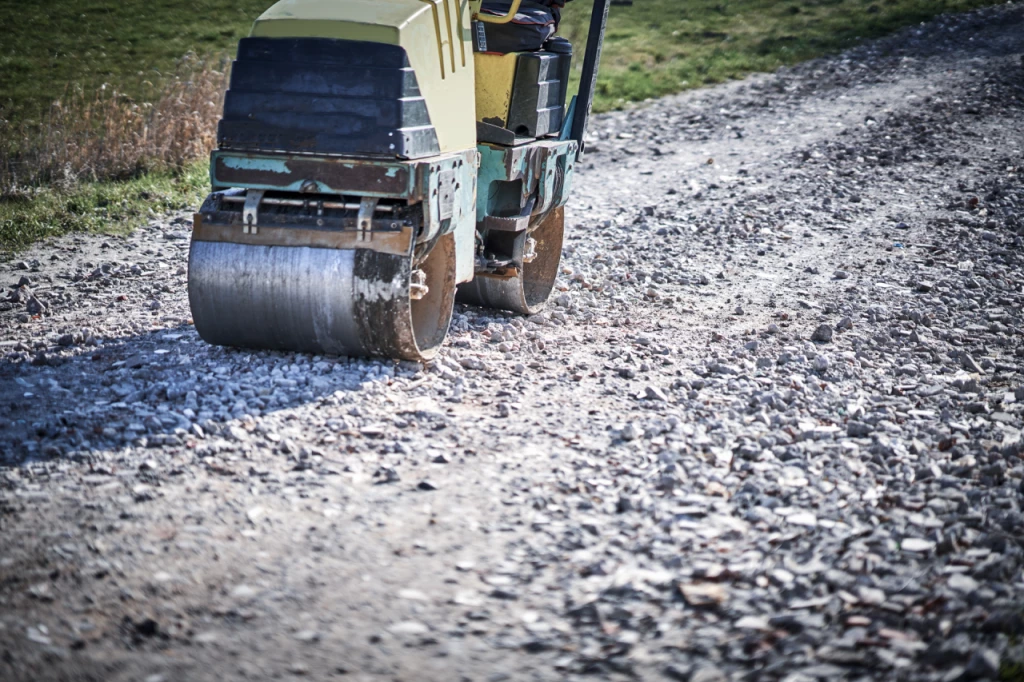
(97, 206)
(653, 48)
(658, 47)
(47, 46)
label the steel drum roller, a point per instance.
(318, 300)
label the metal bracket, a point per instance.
(364, 221)
(479, 36)
(250, 211)
(418, 285)
(446, 194)
(530, 250)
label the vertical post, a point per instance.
(588, 81)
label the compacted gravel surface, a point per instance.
(769, 427)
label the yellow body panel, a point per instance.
(495, 76)
(434, 33)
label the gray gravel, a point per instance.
(769, 428)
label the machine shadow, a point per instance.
(155, 388)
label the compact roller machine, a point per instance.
(372, 167)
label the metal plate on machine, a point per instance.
(446, 193)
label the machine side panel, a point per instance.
(449, 189)
(448, 87)
(538, 104)
(494, 86)
(545, 170)
(369, 13)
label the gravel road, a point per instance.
(768, 429)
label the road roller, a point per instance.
(377, 160)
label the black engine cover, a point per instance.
(325, 96)
(538, 97)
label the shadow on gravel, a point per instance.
(166, 387)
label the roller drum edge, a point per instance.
(527, 293)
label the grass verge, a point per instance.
(131, 45)
(108, 135)
(108, 206)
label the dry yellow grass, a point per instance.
(107, 135)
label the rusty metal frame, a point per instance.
(397, 242)
(308, 173)
(317, 174)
